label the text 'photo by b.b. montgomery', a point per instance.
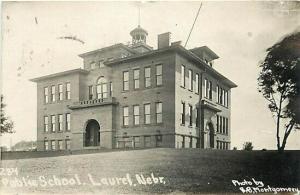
(150, 97)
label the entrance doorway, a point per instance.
(92, 133)
(211, 135)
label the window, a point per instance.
(125, 116)
(68, 144)
(111, 89)
(197, 83)
(46, 128)
(60, 92)
(158, 140)
(217, 123)
(60, 122)
(60, 145)
(125, 81)
(101, 88)
(220, 123)
(127, 142)
(136, 78)
(223, 92)
(91, 92)
(147, 141)
(52, 144)
(147, 116)
(148, 77)
(197, 117)
(191, 80)
(104, 90)
(210, 90)
(101, 64)
(158, 75)
(53, 93)
(68, 122)
(191, 115)
(221, 96)
(158, 112)
(224, 121)
(182, 113)
(46, 100)
(136, 141)
(218, 94)
(93, 65)
(53, 123)
(226, 99)
(46, 145)
(136, 115)
(68, 91)
(206, 88)
(182, 76)
(226, 126)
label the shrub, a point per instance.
(248, 146)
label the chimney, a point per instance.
(163, 40)
(176, 43)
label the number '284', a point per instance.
(8, 171)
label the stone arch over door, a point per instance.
(91, 133)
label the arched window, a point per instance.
(101, 88)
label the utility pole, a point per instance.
(193, 25)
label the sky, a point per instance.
(239, 32)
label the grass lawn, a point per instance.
(183, 170)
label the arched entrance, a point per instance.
(92, 133)
(211, 135)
